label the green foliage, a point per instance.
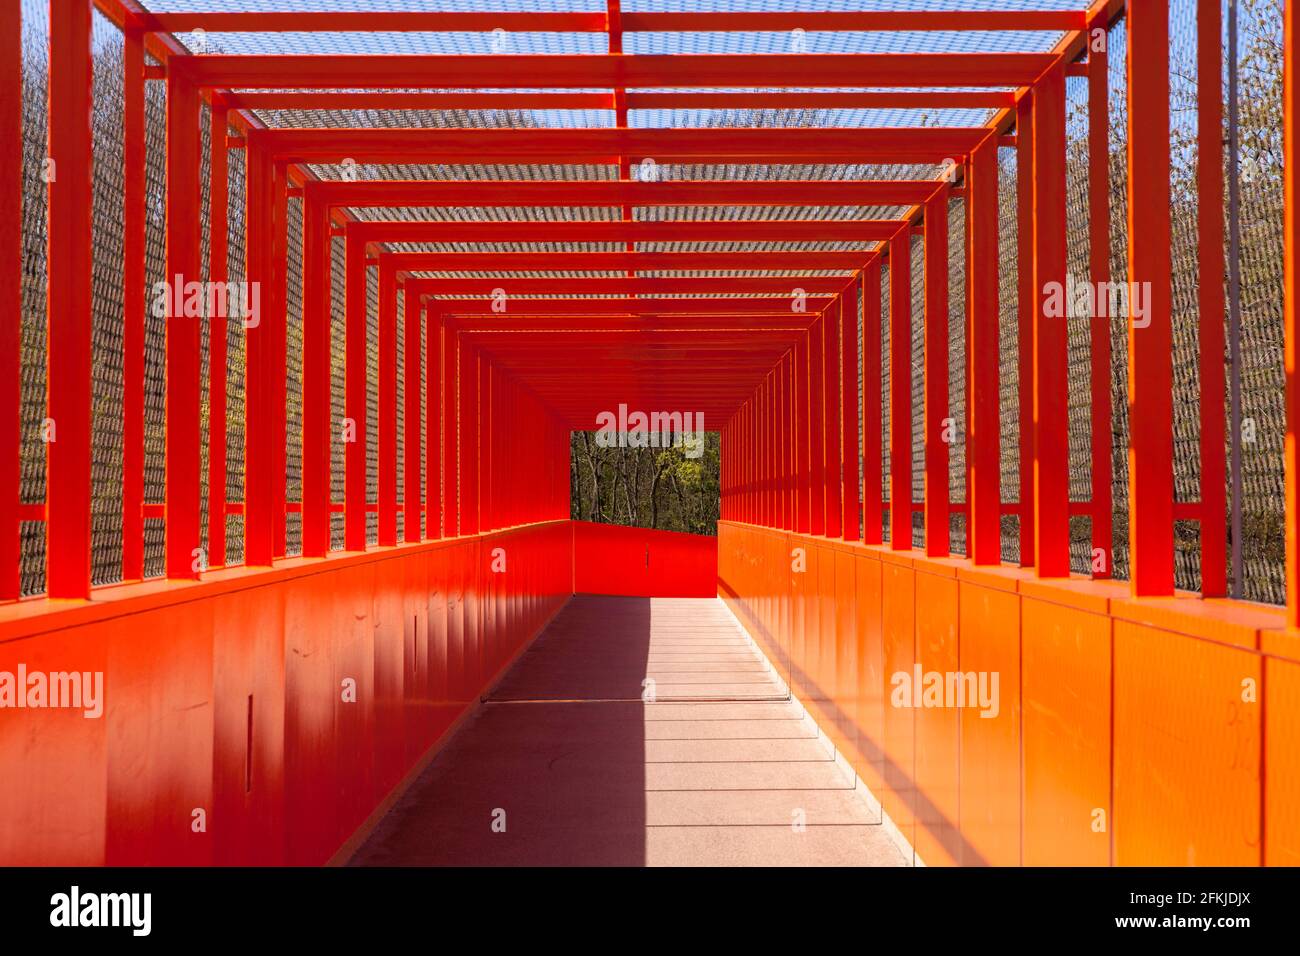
(646, 487)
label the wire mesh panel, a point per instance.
(1116, 60)
(293, 376)
(918, 388)
(36, 42)
(338, 385)
(1078, 271)
(236, 355)
(954, 432)
(1008, 347)
(886, 412)
(1260, 177)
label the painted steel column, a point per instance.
(432, 425)
(831, 404)
(936, 376)
(11, 260)
(1027, 307)
(1099, 339)
(850, 309)
(387, 403)
(984, 501)
(258, 410)
(469, 453)
(355, 399)
(1051, 424)
(69, 260)
(412, 379)
(218, 330)
(1291, 235)
(817, 426)
(1150, 370)
(900, 392)
(803, 448)
(451, 431)
(788, 400)
(278, 329)
(872, 434)
(316, 268)
(133, 313)
(1210, 238)
(183, 534)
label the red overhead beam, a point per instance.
(624, 261)
(613, 230)
(614, 192)
(374, 21)
(780, 305)
(404, 100)
(625, 285)
(611, 71)
(414, 144)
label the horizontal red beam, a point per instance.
(614, 192)
(781, 305)
(613, 71)
(623, 261)
(731, 230)
(627, 285)
(400, 100)
(867, 144)
(344, 21)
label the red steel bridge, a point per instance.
(311, 300)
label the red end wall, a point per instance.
(612, 559)
(1130, 732)
(194, 673)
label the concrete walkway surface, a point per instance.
(566, 764)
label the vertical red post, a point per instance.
(1291, 273)
(413, 309)
(316, 270)
(11, 301)
(817, 425)
(790, 453)
(834, 436)
(803, 450)
(872, 434)
(849, 312)
(183, 268)
(355, 386)
(900, 391)
(983, 456)
(935, 395)
(278, 326)
(67, 496)
(469, 452)
(218, 272)
(258, 408)
(451, 458)
(487, 519)
(780, 432)
(133, 311)
(1051, 425)
(1027, 308)
(1150, 372)
(432, 425)
(1099, 339)
(1210, 238)
(387, 402)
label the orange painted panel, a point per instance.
(990, 780)
(898, 621)
(1282, 775)
(1187, 751)
(937, 841)
(248, 727)
(844, 691)
(158, 706)
(53, 762)
(1065, 691)
(871, 681)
